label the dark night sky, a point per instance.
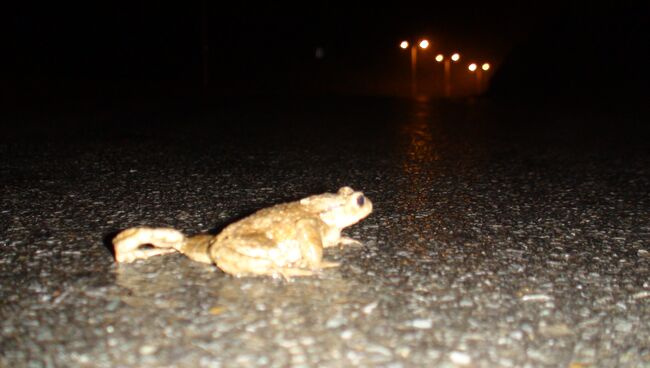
(128, 33)
(149, 40)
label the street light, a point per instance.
(473, 68)
(423, 44)
(447, 67)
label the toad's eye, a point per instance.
(361, 200)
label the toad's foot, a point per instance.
(128, 243)
(238, 264)
(326, 264)
(349, 241)
(288, 272)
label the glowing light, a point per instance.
(424, 44)
(472, 67)
(485, 66)
(440, 58)
(455, 57)
(404, 44)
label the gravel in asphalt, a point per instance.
(501, 237)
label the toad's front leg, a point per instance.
(311, 245)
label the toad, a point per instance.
(284, 240)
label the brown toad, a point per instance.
(286, 239)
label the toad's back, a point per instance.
(277, 223)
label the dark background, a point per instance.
(113, 50)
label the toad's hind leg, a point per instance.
(253, 255)
(237, 264)
(128, 244)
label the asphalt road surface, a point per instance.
(502, 235)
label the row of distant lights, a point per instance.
(439, 58)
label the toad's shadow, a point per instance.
(107, 241)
